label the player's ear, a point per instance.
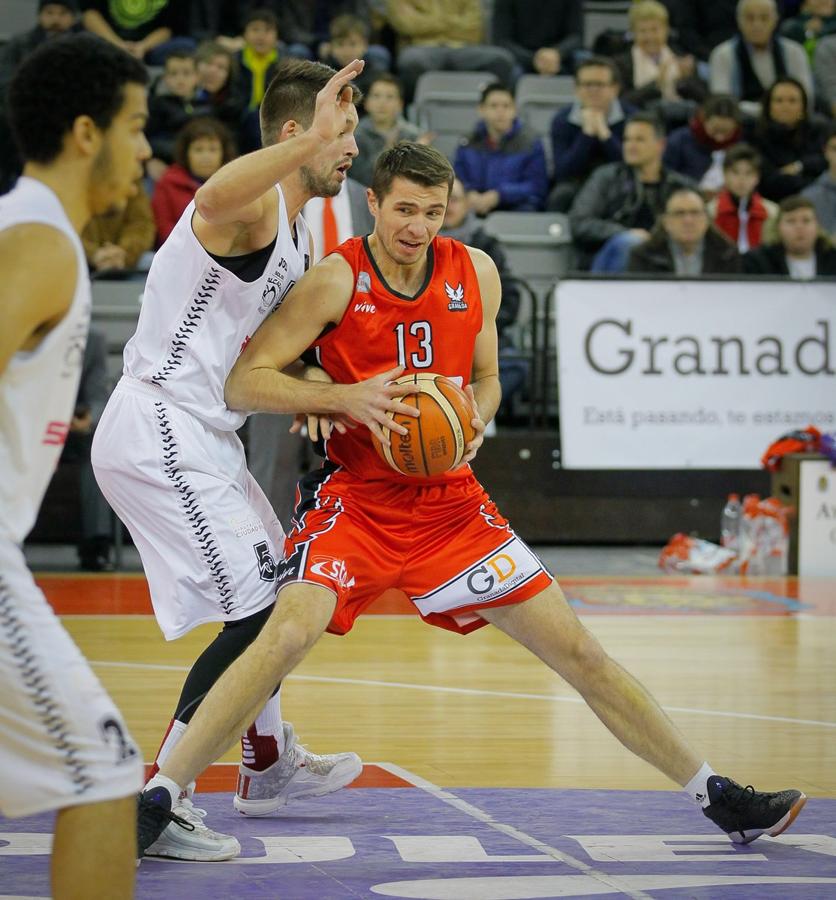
(86, 136)
(371, 198)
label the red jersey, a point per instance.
(434, 331)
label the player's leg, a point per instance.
(94, 851)
(63, 743)
(549, 628)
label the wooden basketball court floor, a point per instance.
(486, 776)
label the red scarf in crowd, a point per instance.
(727, 218)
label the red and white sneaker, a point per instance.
(298, 773)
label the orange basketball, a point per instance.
(436, 439)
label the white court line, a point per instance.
(475, 692)
(611, 881)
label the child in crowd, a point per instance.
(257, 63)
(738, 210)
(349, 39)
(383, 127)
(202, 147)
(217, 86)
(173, 102)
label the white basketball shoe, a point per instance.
(296, 774)
(187, 837)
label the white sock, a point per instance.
(697, 788)
(177, 730)
(161, 781)
(269, 721)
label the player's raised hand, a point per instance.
(374, 401)
(334, 101)
(479, 426)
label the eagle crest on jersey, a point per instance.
(456, 296)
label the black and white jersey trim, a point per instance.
(195, 516)
(16, 637)
(189, 324)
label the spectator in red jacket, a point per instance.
(738, 210)
(203, 146)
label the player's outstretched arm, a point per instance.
(39, 269)
(235, 193)
(258, 384)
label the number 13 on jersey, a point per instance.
(423, 333)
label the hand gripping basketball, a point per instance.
(436, 440)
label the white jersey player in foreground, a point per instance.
(166, 454)
(63, 744)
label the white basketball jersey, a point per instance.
(197, 317)
(38, 388)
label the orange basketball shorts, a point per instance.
(446, 546)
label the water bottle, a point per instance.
(730, 523)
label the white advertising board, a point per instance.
(691, 374)
(817, 518)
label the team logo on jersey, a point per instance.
(456, 297)
(266, 563)
(364, 283)
(275, 289)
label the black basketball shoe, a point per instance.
(744, 813)
(153, 815)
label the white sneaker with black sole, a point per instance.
(193, 840)
(297, 773)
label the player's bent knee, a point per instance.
(302, 612)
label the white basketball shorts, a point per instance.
(208, 538)
(63, 742)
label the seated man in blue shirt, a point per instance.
(502, 165)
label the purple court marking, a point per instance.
(403, 842)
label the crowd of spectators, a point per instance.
(734, 99)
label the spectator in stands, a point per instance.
(823, 190)
(816, 20)
(147, 29)
(96, 517)
(202, 147)
(53, 19)
(349, 39)
(588, 133)
(620, 202)
(174, 100)
(217, 86)
(747, 65)
(652, 75)
(256, 63)
(382, 127)
(304, 25)
(114, 242)
(738, 210)
(697, 149)
(801, 251)
(439, 34)
(701, 26)
(824, 66)
(461, 223)
(789, 140)
(684, 242)
(502, 164)
(543, 38)
(332, 220)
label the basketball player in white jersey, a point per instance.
(166, 454)
(63, 744)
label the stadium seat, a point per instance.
(18, 16)
(600, 15)
(446, 102)
(539, 97)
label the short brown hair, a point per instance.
(291, 95)
(743, 153)
(416, 162)
(203, 127)
(342, 26)
(793, 203)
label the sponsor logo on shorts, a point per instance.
(266, 563)
(244, 526)
(495, 575)
(333, 569)
(113, 735)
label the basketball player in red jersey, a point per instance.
(404, 296)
